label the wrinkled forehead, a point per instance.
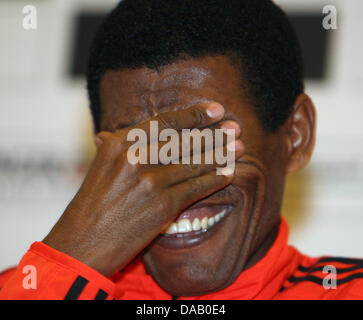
(138, 94)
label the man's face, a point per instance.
(211, 260)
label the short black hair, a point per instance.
(153, 33)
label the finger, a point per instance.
(172, 174)
(191, 143)
(101, 137)
(225, 128)
(197, 116)
(198, 188)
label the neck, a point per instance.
(263, 248)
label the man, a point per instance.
(181, 231)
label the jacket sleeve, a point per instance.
(47, 274)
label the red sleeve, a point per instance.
(47, 274)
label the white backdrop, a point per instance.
(45, 132)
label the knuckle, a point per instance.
(148, 182)
(167, 121)
(110, 146)
(112, 141)
(198, 115)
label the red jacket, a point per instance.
(283, 273)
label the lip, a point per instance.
(194, 238)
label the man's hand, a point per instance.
(121, 207)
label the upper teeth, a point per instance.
(185, 225)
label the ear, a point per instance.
(300, 133)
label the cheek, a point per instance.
(275, 159)
(275, 165)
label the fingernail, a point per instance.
(231, 125)
(98, 141)
(235, 145)
(215, 110)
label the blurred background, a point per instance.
(46, 131)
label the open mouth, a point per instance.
(196, 221)
(194, 226)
